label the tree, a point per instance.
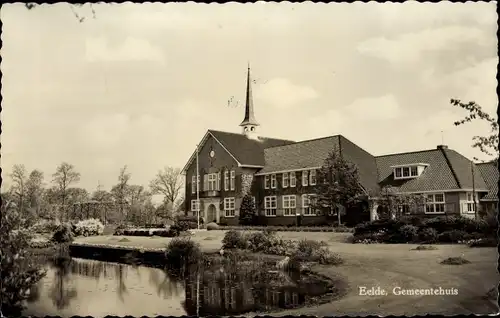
(119, 191)
(73, 8)
(64, 176)
(19, 180)
(19, 269)
(247, 211)
(34, 190)
(394, 204)
(338, 184)
(167, 182)
(486, 144)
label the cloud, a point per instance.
(374, 108)
(281, 93)
(105, 131)
(132, 49)
(410, 47)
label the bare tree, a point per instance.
(19, 180)
(167, 182)
(64, 176)
(120, 190)
(34, 190)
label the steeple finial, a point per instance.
(249, 119)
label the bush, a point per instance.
(182, 253)
(19, 269)
(390, 226)
(484, 242)
(258, 241)
(212, 226)
(325, 257)
(64, 234)
(89, 227)
(459, 223)
(120, 229)
(428, 235)
(455, 261)
(234, 239)
(45, 226)
(308, 247)
(408, 233)
(453, 236)
(185, 223)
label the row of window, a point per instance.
(405, 172)
(289, 179)
(289, 205)
(211, 182)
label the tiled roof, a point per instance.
(462, 168)
(312, 153)
(447, 170)
(247, 151)
(490, 174)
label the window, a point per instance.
(295, 299)
(469, 206)
(289, 205)
(229, 207)
(293, 180)
(405, 172)
(218, 181)
(232, 180)
(304, 178)
(205, 182)
(285, 180)
(404, 209)
(307, 209)
(435, 203)
(270, 205)
(266, 182)
(312, 177)
(211, 182)
(273, 181)
(193, 184)
(195, 205)
(226, 180)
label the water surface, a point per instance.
(95, 288)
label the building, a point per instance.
(281, 177)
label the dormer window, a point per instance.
(408, 171)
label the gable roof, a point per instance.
(247, 152)
(489, 172)
(312, 154)
(447, 170)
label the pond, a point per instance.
(83, 287)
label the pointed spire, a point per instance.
(249, 115)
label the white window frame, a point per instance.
(289, 205)
(266, 181)
(212, 182)
(294, 178)
(305, 178)
(270, 205)
(431, 204)
(229, 207)
(312, 177)
(399, 172)
(284, 180)
(226, 180)
(232, 182)
(195, 205)
(273, 181)
(469, 204)
(193, 184)
(218, 180)
(205, 182)
(307, 209)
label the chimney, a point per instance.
(442, 147)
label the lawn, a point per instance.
(379, 265)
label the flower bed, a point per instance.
(338, 229)
(147, 232)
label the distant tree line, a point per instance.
(62, 199)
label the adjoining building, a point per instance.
(281, 176)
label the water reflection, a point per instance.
(85, 287)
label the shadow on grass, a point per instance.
(124, 240)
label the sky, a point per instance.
(140, 84)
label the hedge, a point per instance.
(339, 229)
